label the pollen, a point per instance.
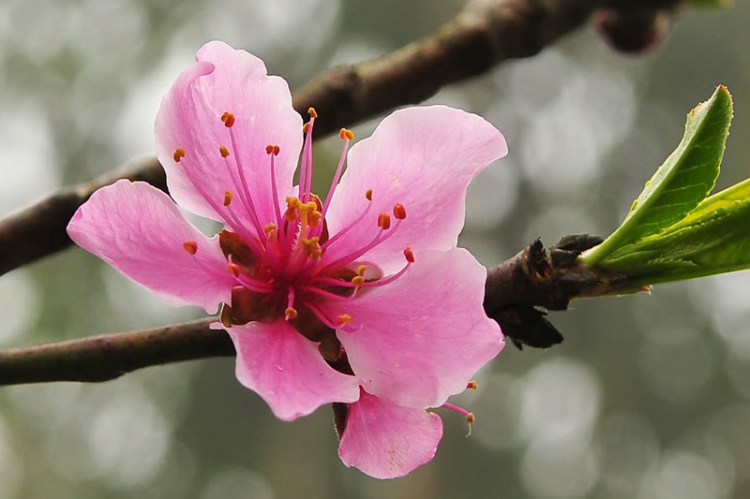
(368, 194)
(223, 151)
(344, 319)
(384, 221)
(473, 385)
(190, 246)
(227, 198)
(228, 119)
(179, 153)
(409, 254)
(290, 313)
(311, 111)
(346, 134)
(233, 269)
(399, 211)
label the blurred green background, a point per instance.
(648, 397)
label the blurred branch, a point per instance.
(534, 277)
(484, 35)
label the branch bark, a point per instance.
(484, 35)
(535, 277)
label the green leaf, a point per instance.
(681, 183)
(713, 238)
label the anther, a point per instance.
(409, 254)
(361, 270)
(344, 319)
(290, 313)
(227, 198)
(273, 149)
(228, 119)
(270, 230)
(314, 218)
(473, 385)
(346, 134)
(306, 127)
(384, 221)
(191, 247)
(312, 113)
(223, 151)
(470, 418)
(399, 211)
(179, 153)
(368, 194)
(358, 280)
(233, 269)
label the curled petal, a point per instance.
(422, 158)
(287, 370)
(227, 80)
(138, 230)
(422, 337)
(385, 440)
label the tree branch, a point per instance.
(534, 277)
(485, 34)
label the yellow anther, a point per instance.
(314, 218)
(290, 215)
(473, 385)
(368, 194)
(223, 151)
(344, 319)
(292, 202)
(179, 153)
(358, 280)
(227, 198)
(312, 113)
(361, 270)
(346, 134)
(270, 230)
(290, 313)
(233, 269)
(191, 247)
(311, 205)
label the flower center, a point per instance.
(279, 263)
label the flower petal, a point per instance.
(423, 336)
(227, 80)
(423, 158)
(138, 230)
(385, 440)
(287, 370)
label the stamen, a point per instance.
(409, 254)
(384, 221)
(473, 385)
(379, 238)
(305, 177)
(347, 135)
(179, 153)
(191, 247)
(290, 314)
(274, 151)
(361, 270)
(227, 198)
(470, 418)
(311, 111)
(320, 315)
(224, 151)
(399, 211)
(326, 294)
(358, 280)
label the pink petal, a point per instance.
(423, 158)
(138, 230)
(227, 80)
(425, 335)
(287, 370)
(385, 440)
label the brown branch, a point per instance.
(534, 277)
(485, 34)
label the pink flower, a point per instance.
(361, 299)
